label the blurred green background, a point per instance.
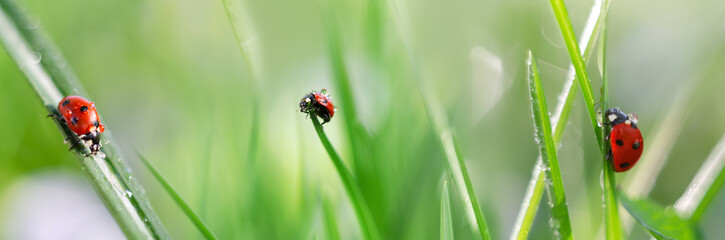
(169, 80)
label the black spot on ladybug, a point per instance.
(84, 109)
(624, 165)
(66, 102)
(620, 142)
(95, 123)
(74, 120)
(634, 126)
(635, 146)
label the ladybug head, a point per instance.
(615, 116)
(95, 138)
(306, 102)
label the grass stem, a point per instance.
(553, 181)
(611, 209)
(195, 219)
(704, 187)
(560, 118)
(365, 219)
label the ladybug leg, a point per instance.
(74, 144)
(56, 116)
(609, 155)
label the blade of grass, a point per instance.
(364, 216)
(51, 78)
(612, 225)
(448, 143)
(234, 13)
(177, 199)
(555, 186)
(534, 191)
(330, 219)
(530, 205)
(236, 16)
(662, 222)
(704, 187)
(611, 209)
(356, 133)
(457, 167)
(446, 219)
(567, 32)
(366, 168)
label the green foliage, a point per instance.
(179, 201)
(662, 223)
(367, 224)
(224, 128)
(555, 187)
(446, 219)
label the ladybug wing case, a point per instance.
(626, 142)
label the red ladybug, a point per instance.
(319, 103)
(80, 115)
(625, 140)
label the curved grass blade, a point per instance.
(178, 200)
(330, 219)
(567, 32)
(704, 187)
(560, 118)
(446, 219)
(234, 13)
(662, 223)
(560, 212)
(611, 208)
(448, 143)
(613, 226)
(457, 167)
(52, 78)
(364, 216)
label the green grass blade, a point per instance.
(178, 200)
(446, 219)
(51, 78)
(560, 118)
(611, 208)
(457, 166)
(365, 219)
(235, 15)
(560, 212)
(447, 141)
(330, 219)
(530, 205)
(704, 187)
(612, 217)
(662, 223)
(339, 71)
(576, 58)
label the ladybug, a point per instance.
(625, 140)
(318, 103)
(81, 117)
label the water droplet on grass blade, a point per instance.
(36, 57)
